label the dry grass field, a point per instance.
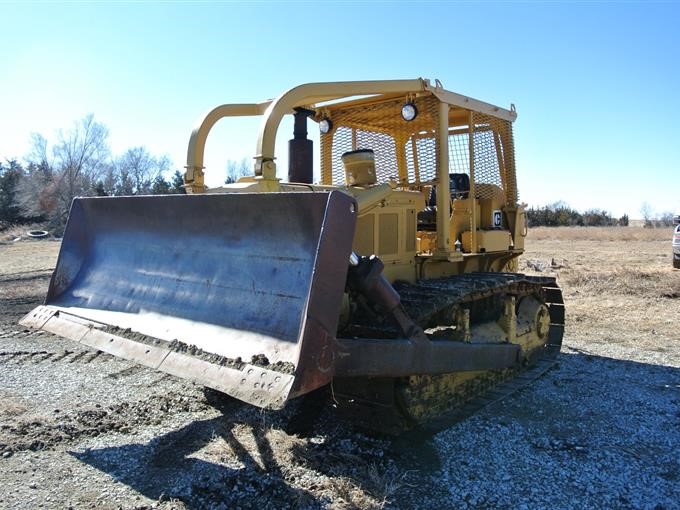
(82, 429)
(622, 293)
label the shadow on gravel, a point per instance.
(250, 459)
(168, 468)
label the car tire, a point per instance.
(676, 262)
(37, 234)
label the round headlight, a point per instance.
(325, 125)
(409, 112)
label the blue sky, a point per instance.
(595, 83)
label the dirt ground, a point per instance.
(82, 429)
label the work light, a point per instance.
(409, 111)
(325, 125)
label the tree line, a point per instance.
(652, 220)
(560, 214)
(79, 163)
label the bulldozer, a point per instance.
(384, 269)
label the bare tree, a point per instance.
(666, 219)
(109, 181)
(237, 169)
(80, 164)
(647, 213)
(137, 170)
(38, 152)
(80, 156)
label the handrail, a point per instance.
(193, 176)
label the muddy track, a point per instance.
(20, 304)
(14, 308)
(26, 276)
(37, 433)
(63, 356)
(19, 294)
(15, 331)
(20, 301)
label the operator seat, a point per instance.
(459, 187)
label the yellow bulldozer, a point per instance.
(390, 280)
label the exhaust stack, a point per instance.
(301, 150)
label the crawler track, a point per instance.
(429, 403)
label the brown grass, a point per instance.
(624, 281)
(622, 295)
(9, 234)
(26, 257)
(636, 234)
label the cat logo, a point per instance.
(497, 218)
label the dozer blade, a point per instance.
(238, 292)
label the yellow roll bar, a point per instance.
(308, 95)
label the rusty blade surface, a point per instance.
(230, 274)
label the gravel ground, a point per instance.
(595, 433)
(82, 429)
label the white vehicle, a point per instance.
(676, 246)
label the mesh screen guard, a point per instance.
(404, 151)
(407, 152)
